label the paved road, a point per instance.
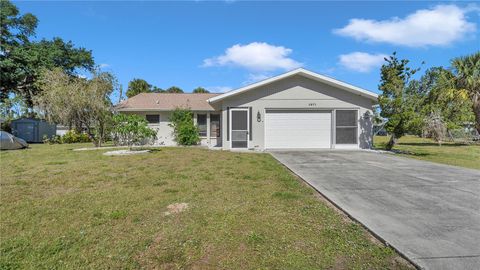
(427, 211)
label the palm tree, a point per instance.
(467, 79)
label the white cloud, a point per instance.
(439, 26)
(103, 65)
(218, 89)
(256, 56)
(361, 61)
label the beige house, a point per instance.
(299, 109)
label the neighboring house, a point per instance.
(298, 109)
(62, 130)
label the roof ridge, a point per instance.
(306, 73)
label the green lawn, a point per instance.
(66, 209)
(467, 156)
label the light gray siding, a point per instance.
(164, 131)
(297, 92)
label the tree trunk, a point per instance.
(476, 111)
(91, 135)
(391, 143)
(99, 133)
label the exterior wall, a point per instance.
(61, 130)
(297, 92)
(46, 129)
(165, 132)
(32, 130)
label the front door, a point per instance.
(239, 131)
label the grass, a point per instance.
(463, 155)
(79, 209)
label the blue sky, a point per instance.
(225, 45)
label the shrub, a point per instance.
(184, 130)
(70, 137)
(73, 136)
(435, 127)
(55, 139)
(131, 129)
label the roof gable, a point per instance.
(302, 72)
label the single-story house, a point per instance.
(295, 110)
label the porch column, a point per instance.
(209, 143)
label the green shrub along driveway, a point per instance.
(80, 209)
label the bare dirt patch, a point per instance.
(176, 208)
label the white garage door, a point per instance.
(297, 129)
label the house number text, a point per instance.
(312, 104)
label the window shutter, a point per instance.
(228, 124)
(250, 123)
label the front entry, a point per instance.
(239, 131)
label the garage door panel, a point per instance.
(298, 129)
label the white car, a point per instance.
(10, 142)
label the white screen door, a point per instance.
(239, 130)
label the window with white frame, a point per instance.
(202, 125)
(346, 127)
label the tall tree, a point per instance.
(435, 95)
(200, 90)
(174, 89)
(395, 84)
(89, 105)
(15, 29)
(467, 80)
(22, 60)
(137, 86)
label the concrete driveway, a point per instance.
(428, 212)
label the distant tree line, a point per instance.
(137, 86)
